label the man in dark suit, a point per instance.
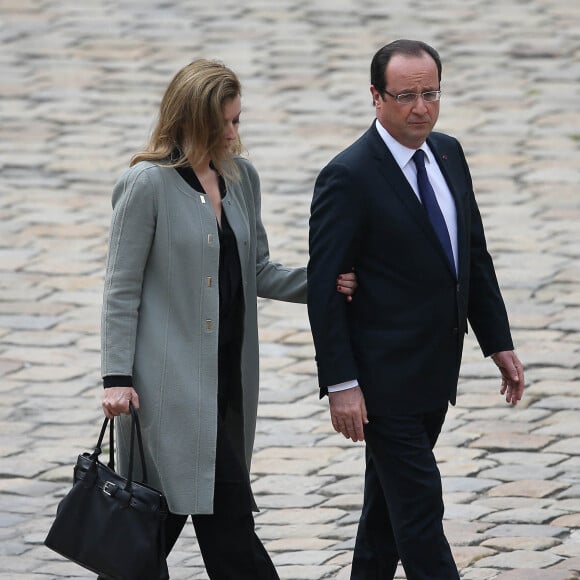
(389, 361)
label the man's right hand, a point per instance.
(348, 413)
(116, 401)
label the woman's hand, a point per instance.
(116, 401)
(346, 284)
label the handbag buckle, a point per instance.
(108, 487)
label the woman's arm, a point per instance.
(130, 238)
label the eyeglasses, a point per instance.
(409, 98)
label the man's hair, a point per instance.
(404, 47)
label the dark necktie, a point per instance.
(431, 206)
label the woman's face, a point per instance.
(232, 111)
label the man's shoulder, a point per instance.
(357, 149)
(438, 138)
(446, 146)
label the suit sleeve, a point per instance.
(335, 226)
(486, 312)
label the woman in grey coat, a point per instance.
(188, 256)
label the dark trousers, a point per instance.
(229, 546)
(402, 515)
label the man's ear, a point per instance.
(376, 95)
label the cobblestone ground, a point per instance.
(79, 86)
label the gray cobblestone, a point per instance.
(79, 86)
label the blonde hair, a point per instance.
(190, 125)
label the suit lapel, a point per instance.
(447, 160)
(395, 178)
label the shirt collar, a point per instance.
(401, 153)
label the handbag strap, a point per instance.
(135, 428)
(98, 449)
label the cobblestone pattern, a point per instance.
(79, 87)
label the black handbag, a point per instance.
(112, 525)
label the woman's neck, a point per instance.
(202, 167)
(209, 180)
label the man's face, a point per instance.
(409, 124)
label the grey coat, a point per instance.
(160, 320)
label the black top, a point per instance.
(230, 280)
(230, 270)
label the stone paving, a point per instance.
(79, 86)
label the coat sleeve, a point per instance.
(335, 229)
(130, 238)
(273, 280)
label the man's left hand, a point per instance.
(512, 375)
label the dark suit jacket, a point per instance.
(402, 336)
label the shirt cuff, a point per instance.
(343, 386)
(117, 381)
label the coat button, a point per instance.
(208, 325)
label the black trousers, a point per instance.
(402, 515)
(229, 546)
